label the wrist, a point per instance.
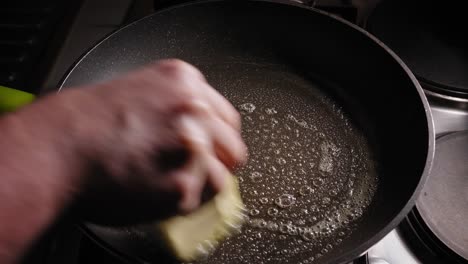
(43, 132)
(41, 172)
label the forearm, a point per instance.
(38, 176)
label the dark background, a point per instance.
(41, 39)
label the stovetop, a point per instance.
(69, 245)
(417, 31)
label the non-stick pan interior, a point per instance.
(263, 47)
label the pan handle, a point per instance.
(12, 99)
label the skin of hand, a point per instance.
(152, 143)
(164, 137)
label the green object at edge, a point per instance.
(12, 99)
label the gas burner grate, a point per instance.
(421, 239)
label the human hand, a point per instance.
(154, 141)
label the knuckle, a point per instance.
(197, 105)
(185, 99)
(177, 68)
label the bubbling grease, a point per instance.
(309, 179)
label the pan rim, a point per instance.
(361, 249)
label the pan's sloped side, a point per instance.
(374, 87)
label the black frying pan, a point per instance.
(349, 89)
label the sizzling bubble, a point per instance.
(271, 111)
(323, 155)
(256, 176)
(258, 222)
(254, 212)
(272, 226)
(264, 200)
(262, 224)
(314, 208)
(305, 190)
(317, 182)
(281, 161)
(249, 107)
(329, 150)
(272, 211)
(300, 222)
(285, 200)
(283, 228)
(326, 200)
(308, 235)
(292, 230)
(272, 170)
